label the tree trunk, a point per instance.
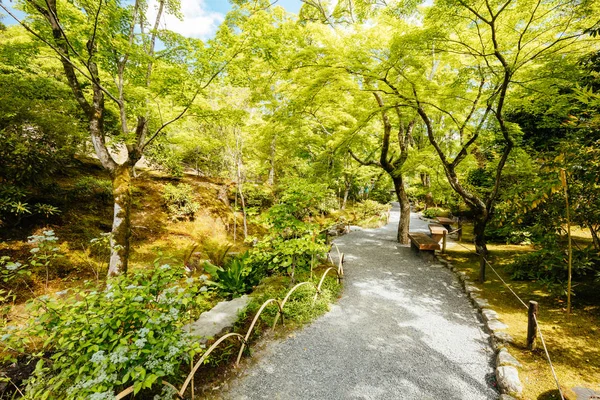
(271, 179)
(346, 192)
(404, 223)
(121, 229)
(595, 238)
(480, 244)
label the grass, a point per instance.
(573, 342)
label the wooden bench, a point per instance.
(424, 244)
(437, 232)
(446, 222)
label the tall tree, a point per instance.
(109, 50)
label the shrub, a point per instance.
(179, 201)
(433, 212)
(259, 196)
(370, 208)
(549, 264)
(14, 206)
(277, 254)
(96, 343)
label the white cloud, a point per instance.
(198, 20)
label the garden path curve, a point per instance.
(403, 329)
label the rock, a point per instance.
(470, 289)
(506, 359)
(213, 322)
(503, 337)
(479, 302)
(495, 325)
(506, 397)
(474, 295)
(508, 381)
(585, 393)
(489, 315)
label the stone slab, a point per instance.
(489, 315)
(506, 359)
(585, 393)
(220, 317)
(496, 325)
(508, 381)
(479, 302)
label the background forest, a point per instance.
(140, 164)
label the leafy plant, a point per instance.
(14, 206)
(179, 201)
(44, 251)
(216, 251)
(236, 278)
(96, 343)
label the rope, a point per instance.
(534, 317)
(548, 357)
(498, 275)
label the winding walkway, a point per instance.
(402, 330)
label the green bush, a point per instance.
(179, 201)
(259, 196)
(549, 264)
(370, 208)
(96, 343)
(277, 254)
(433, 212)
(14, 206)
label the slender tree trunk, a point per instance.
(243, 211)
(271, 179)
(121, 229)
(404, 223)
(346, 192)
(595, 238)
(480, 243)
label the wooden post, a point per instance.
(444, 241)
(532, 324)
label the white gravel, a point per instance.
(402, 330)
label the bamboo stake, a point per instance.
(563, 178)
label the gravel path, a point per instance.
(402, 330)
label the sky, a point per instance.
(201, 17)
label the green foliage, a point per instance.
(179, 201)
(10, 271)
(235, 278)
(549, 264)
(14, 206)
(96, 343)
(278, 254)
(433, 212)
(44, 252)
(259, 196)
(92, 189)
(370, 208)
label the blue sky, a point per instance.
(202, 17)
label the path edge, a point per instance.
(507, 374)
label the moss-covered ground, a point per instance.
(573, 341)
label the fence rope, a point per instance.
(539, 329)
(498, 275)
(548, 357)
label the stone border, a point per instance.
(507, 375)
